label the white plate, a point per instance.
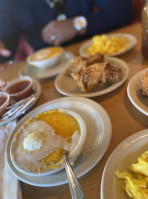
(134, 93)
(98, 138)
(36, 94)
(68, 86)
(38, 73)
(130, 38)
(121, 158)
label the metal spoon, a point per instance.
(75, 187)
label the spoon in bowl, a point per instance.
(74, 185)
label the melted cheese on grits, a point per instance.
(45, 54)
(63, 123)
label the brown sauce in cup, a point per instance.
(18, 87)
(2, 100)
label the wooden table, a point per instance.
(126, 119)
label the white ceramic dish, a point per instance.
(130, 38)
(98, 138)
(5, 104)
(38, 73)
(38, 59)
(134, 93)
(72, 155)
(36, 94)
(121, 158)
(68, 86)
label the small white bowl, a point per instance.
(72, 154)
(45, 57)
(80, 145)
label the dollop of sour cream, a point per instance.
(34, 141)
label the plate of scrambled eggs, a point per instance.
(108, 44)
(125, 174)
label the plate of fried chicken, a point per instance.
(91, 76)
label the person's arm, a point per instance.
(111, 14)
(9, 32)
(61, 31)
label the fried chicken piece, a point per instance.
(144, 81)
(89, 78)
(112, 74)
(79, 62)
(95, 75)
(95, 58)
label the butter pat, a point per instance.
(34, 141)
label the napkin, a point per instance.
(10, 186)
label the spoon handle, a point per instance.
(74, 185)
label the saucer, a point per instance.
(42, 73)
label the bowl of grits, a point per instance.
(45, 57)
(38, 145)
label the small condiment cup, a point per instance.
(20, 87)
(4, 102)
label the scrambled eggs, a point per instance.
(107, 45)
(136, 183)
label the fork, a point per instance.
(19, 107)
(20, 102)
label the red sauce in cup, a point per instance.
(16, 88)
(2, 100)
(19, 88)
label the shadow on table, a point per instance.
(135, 113)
